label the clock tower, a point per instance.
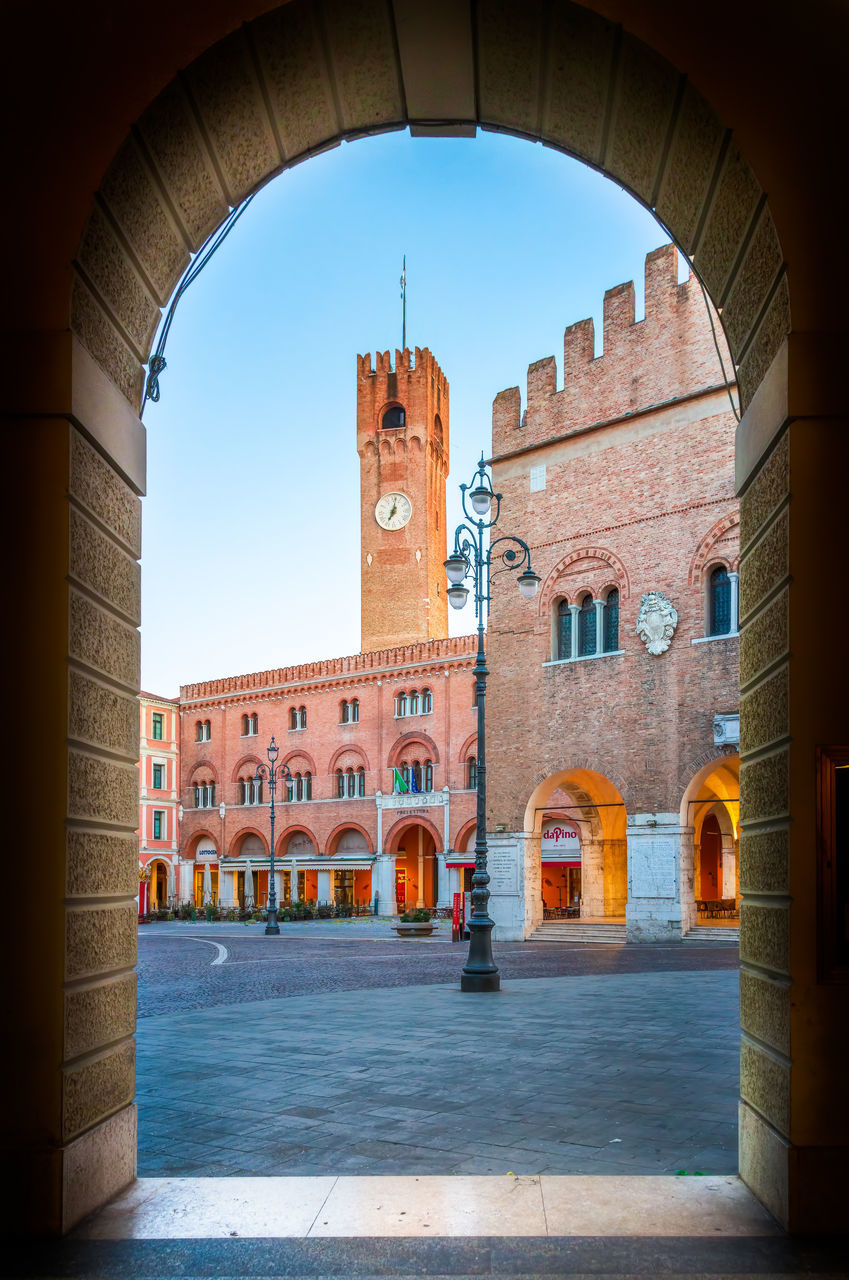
(402, 440)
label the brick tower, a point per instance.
(402, 440)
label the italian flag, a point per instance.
(398, 783)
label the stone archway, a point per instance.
(211, 136)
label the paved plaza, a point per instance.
(385, 1067)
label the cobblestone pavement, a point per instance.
(337, 1049)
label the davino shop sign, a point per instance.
(561, 841)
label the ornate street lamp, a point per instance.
(471, 559)
(272, 771)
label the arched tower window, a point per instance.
(355, 710)
(344, 711)
(393, 418)
(564, 631)
(611, 621)
(302, 717)
(293, 718)
(586, 628)
(361, 781)
(719, 602)
(427, 701)
(401, 704)
(472, 773)
(414, 702)
(340, 784)
(428, 775)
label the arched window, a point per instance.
(340, 784)
(564, 631)
(302, 718)
(293, 718)
(243, 791)
(428, 775)
(198, 731)
(250, 725)
(299, 787)
(202, 731)
(308, 786)
(393, 418)
(472, 773)
(401, 704)
(361, 781)
(355, 710)
(212, 795)
(414, 702)
(427, 701)
(416, 774)
(611, 621)
(405, 772)
(254, 723)
(349, 780)
(245, 726)
(719, 602)
(197, 795)
(586, 628)
(344, 711)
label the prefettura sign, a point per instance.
(561, 840)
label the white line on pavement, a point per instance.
(222, 951)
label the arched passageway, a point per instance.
(575, 860)
(615, 95)
(710, 864)
(413, 847)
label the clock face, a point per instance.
(393, 510)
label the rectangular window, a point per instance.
(158, 824)
(156, 726)
(538, 478)
(157, 777)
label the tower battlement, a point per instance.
(418, 359)
(668, 354)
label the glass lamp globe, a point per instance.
(528, 583)
(458, 596)
(481, 500)
(456, 567)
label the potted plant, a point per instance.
(415, 923)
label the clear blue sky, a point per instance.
(251, 524)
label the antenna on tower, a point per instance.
(404, 304)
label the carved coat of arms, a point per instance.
(656, 621)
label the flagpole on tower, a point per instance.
(404, 304)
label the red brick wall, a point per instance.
(375, 742)
(643, 503)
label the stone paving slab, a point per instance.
(599, 1073)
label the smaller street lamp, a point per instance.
(471, 559)
(272, 771)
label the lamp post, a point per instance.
(272, 771)
(472, 559)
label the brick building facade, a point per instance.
(159, 790)
(345, 725)
(613, 779)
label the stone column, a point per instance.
(420, 899)
(574, 609)
(729, 868)
(792, 463)
(324, 890)
(443, 898)
(383, 884)
(734, 579)
(599, 625)
(687, 864)
(653, 913)
(78, 461)
(592, 878)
